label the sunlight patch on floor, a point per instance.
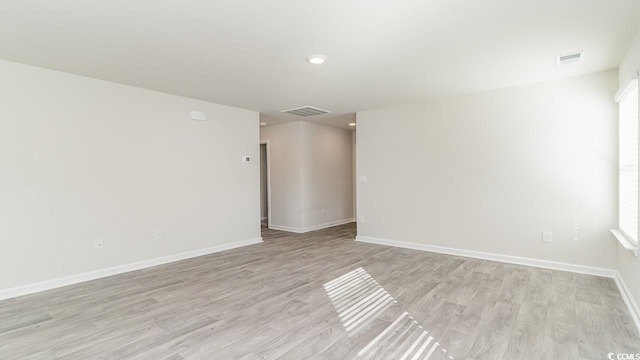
(359, 300)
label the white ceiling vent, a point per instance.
(306, 111)
(569, 59)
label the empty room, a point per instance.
(396, 180)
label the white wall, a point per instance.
(310, 169)
(263, 182)
(628, 263)
(491, 171)
(284, 158)
(354, 175)
(83, 159)
(326, 175)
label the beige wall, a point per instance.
(491, 171)
(628, 263)
(310, 169)
(83, 159)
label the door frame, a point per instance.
(268, 149)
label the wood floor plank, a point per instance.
(320, 295)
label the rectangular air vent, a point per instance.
(569, 59)
(306, 111)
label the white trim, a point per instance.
(631, 81)
(97, 274)
(632, 306)
(310, 228)
(545, 264)
(624, 240)
(284, 228)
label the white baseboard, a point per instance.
(581, 269)
(311, 228)
(628, 300)
(96, 274)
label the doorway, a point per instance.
(265, 196)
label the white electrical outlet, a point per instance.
(158, 235)
(361, 219)
(98, 244)
(547, 237)
(362, 179)
(323, 211)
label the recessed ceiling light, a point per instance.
(316, 59)
(352, 124)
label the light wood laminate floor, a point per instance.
(321, 295)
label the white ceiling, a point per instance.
(339, 121)
(251, 53)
